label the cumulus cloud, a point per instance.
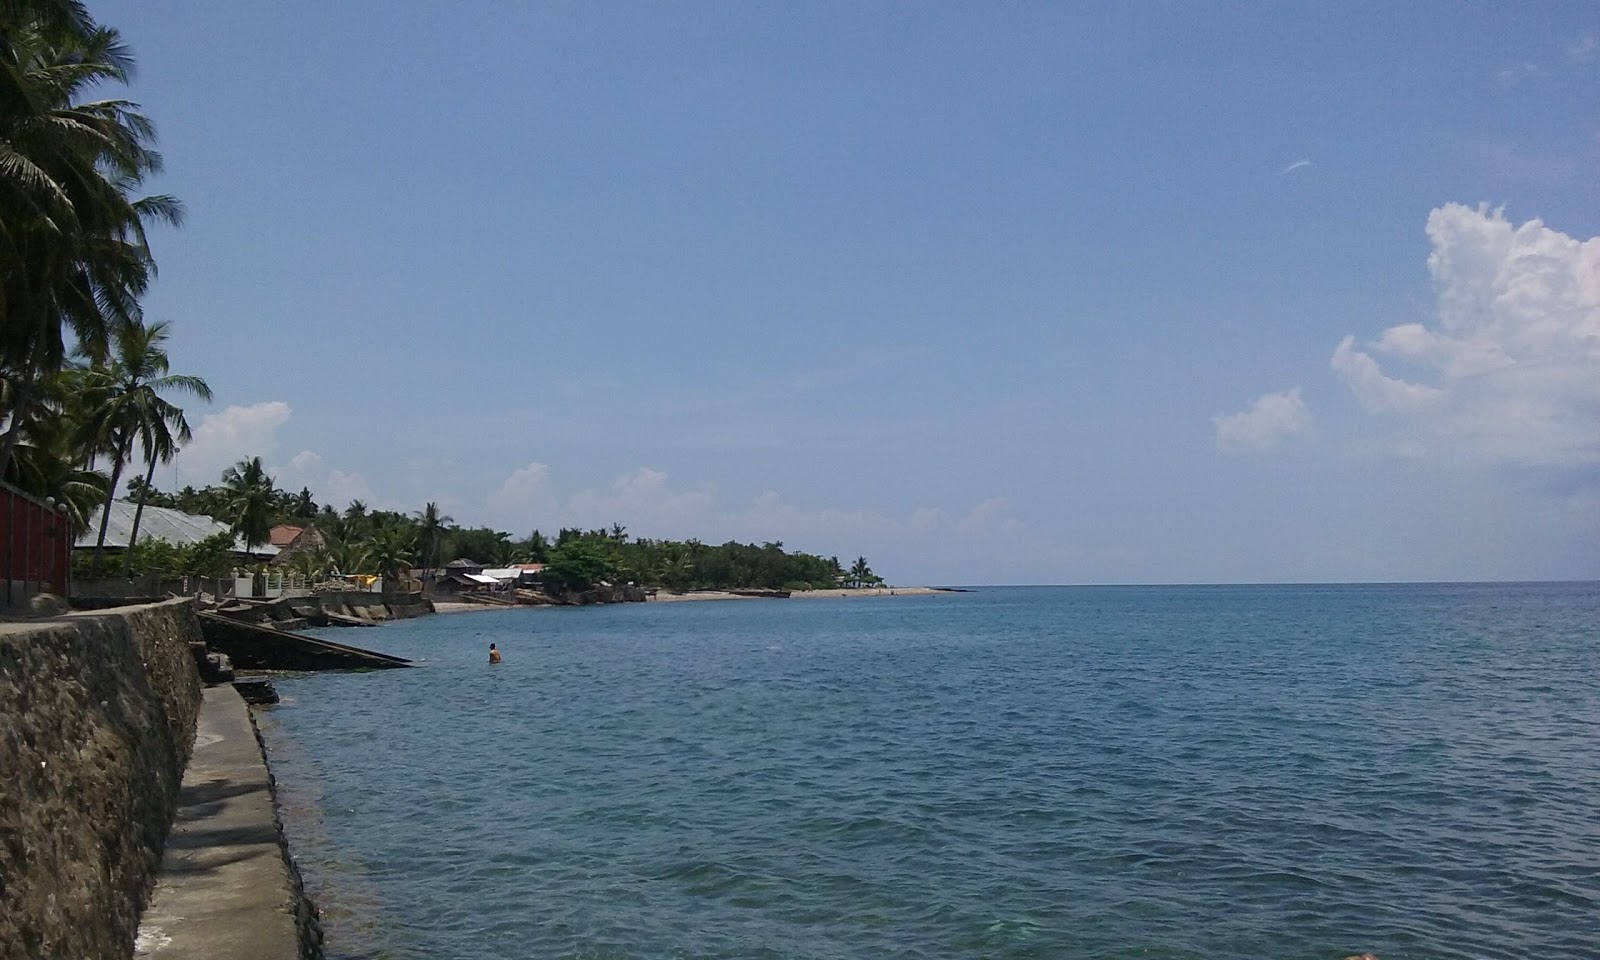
(524, 498)
(1510, 370)
(1260, 426)
(642, 498)
(222, 439)
(331, 485)
(341, 488)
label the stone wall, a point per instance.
(97, 719)
(375, 606)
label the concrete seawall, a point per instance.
(97, 720)
(227, 886)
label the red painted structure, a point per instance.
(35, 547)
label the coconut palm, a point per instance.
(251, 497)
(73, 251)
(126, 407)
(309, 564)
(391, 552)
(48, 460)
(431, 522)
(860, 573)
(349, 557)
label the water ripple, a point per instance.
(1110, 772)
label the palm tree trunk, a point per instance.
(105, 515)
(138, 514)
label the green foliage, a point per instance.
(211, 557)
(679, 565)
(304, 506)
(74, 260)
(251, 495)
(364, 540)
(578, 564)
(861, 575)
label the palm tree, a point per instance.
(73, 251)
(309, 564)
(305, 507)
(349, 557)
(859, 571)
(251, 496)
(432, 522)
(391, 553)
(160, 446)
(127, 406)
(48, 458)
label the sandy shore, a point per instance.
(457, 606)
(664, 596)
(871, 592)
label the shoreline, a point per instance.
(843, 593)
(833, 594)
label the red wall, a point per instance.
(35, 542)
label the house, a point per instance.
(295, 541)
(161, 523)
(516, 575)
(464, 576)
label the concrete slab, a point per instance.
(224, 891)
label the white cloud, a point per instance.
(642, 499)
(330, 485)
(1300, 164)
(524, 500)
(1271, 418)
(1512, 364)
(340, 488)
(1377, 392)
(228, 436)
(989, 519)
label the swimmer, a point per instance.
(494, 655)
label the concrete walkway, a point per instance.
(224, 891)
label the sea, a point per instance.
(1012, 772)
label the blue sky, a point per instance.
(988, 293)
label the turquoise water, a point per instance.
(1153, 772)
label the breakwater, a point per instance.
(97, 721)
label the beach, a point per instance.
(845, 592)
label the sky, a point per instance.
(987, 293)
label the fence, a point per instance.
(35, 546)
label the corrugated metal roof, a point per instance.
(160, 523)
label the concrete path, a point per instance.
(223, 892)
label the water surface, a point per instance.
(1160, 772)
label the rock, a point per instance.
(256, 690)
(45, 605)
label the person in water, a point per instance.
(494, 655)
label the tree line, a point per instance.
(360, 540)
